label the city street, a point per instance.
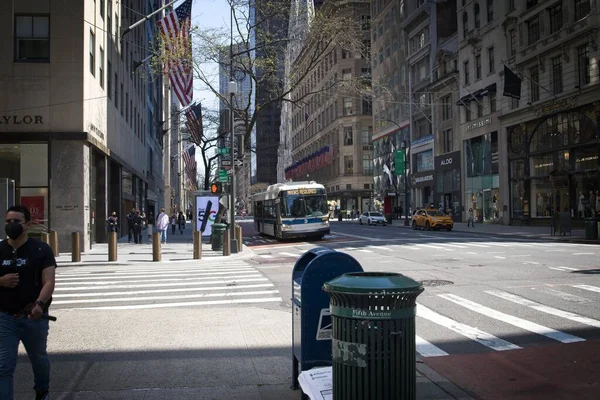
(501, 317)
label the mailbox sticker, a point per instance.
(324, 328)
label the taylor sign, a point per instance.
(18, 119)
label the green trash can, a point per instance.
(373, 338)
(216, 237)
(591, 228)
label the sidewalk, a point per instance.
(179, 248)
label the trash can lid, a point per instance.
(370, 282)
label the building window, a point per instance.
(126, 107)
(533, 30)
(348, 106)
(511, 5)
(468, 116)
(347, 74)
(348, 136)
(514, 104)
(348, 165)
(367, 107)
(582, 9)
(447, 140)
(424, 161)
(102, 9)
(367, 166)
(478, 67)
(116, 91)
(479, 109)
(32, 38)
(512, 42)
(101, 67)
(476, 15)
(557, 75)
(556, 17)
(109, 80)
(583, 64)
(492, 102)
(490, 10)
(92, 53)
(109, 17)
(447, 107)
(366, 22)
(466, 72)
(366, 134)
(491, 61)
(534, 87)
(465, 24)
(122, 101)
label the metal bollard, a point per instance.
(54, 242)
(75, 249)
(112, 246)
(45, 237)
(238, 235)
(156, 246)
(197, 245)
(226, 244)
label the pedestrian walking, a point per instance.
(112, 223)
(173, 223)
(181, 222)
(138, 224)
(470, 218)
(162, 224)
(130, 225)
(27, 269)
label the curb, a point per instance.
(444, 384)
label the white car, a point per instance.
(372, 217)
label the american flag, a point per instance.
(175, 31)
(194, 122)
(189, 157)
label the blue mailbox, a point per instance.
(311, 321)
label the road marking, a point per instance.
(132, 270)
(427, 349)
(470, 252)
(186, 304)
(249, 274)
(388, 261)
(266, 256)
(563, 269)
(348, 249)
(588, 288)
(531, 262)
(500, 257)
(432, 246)
(180, 290)
(478, 245)
(109, 276)
(563, 295)
(179, 296)
(470, 332)
(553, 251)
(290, 254)
(381, 247)
(411, 247)
(113, 286)
(583, 254)
(512, 320)
(545, 309)
(365, 251)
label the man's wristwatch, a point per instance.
(41, 304)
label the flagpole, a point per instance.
(232, 90)
(146, 18)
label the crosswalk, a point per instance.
(497, 250)
(448, 323)
(264, 240)
(211, 283)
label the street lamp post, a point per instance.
(404, 146)
(232, 89)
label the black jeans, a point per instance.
(173, 229)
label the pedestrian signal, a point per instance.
(216, 188)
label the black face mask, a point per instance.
(13, 230)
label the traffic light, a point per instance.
(216, 188)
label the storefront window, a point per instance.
(27, 165)
(424, 161)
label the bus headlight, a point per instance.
(325, 222)
(285, 227)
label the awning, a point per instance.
(477, 94)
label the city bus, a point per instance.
(292, 210)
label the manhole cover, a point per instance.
(435, 282)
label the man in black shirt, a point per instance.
(27, 269)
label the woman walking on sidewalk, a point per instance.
(181, 222)
(173, 223)
(470, 218)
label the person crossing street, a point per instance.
(162, 224)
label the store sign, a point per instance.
(479, 124)
(21, 119)
(422, 179)
(448, 161)
(97, 131)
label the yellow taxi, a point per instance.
(431, 219)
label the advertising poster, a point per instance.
(209, 206)
(36, 207)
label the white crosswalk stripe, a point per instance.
(207, 283)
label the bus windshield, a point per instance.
(303, 206)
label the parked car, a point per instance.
(432, 219)
(372, 217)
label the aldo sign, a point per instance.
(447, 161)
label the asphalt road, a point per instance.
(501, 317)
